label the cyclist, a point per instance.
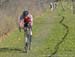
(26, 22)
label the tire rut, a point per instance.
(63, 38)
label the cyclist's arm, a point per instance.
(31, 23)
(20, 22)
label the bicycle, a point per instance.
(27, 36)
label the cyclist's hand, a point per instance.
(19, 29)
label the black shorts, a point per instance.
(26, 25)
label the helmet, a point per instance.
(25, 13)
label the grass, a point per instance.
(47, 33)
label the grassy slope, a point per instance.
(67, 47)
(47, 32)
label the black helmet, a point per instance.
(25, 13)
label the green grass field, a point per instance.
(53, 36)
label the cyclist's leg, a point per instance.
(30, 37)
(25, 39)
(30, 33)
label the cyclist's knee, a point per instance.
(31, 32)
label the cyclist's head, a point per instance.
(25, 13)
